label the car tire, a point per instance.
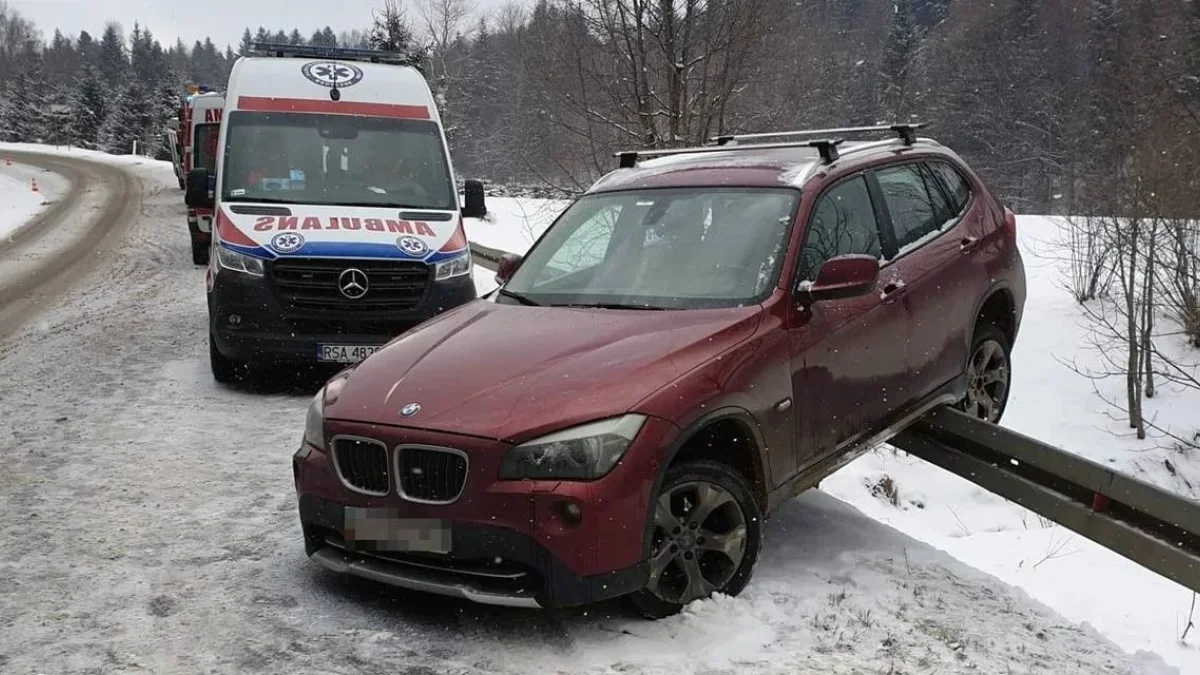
(224, 370)
(199, 252)
(681, 548)
(988, 374)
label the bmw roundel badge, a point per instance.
(410, 410)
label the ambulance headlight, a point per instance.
(238, 262)
(454, 267)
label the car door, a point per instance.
(848, 356)
(936, 239)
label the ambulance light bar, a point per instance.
(331, 53)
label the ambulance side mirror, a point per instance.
(198, 195)
(474, 205)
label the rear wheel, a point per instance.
(707, 533)
(224, 370)
(989, 374)
(199, 251)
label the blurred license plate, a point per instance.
(345, 353)
(382, 530)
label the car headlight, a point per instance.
(314, 423)
(454, 267)
(238, 262)
(585, 452)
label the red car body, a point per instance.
(782, 391)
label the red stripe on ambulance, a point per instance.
(305, 105)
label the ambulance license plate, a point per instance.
(367, 529)
(345, 353)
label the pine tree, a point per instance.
(23, 105)
(280, 37)
(85, 48)
(391, 32)
(132, 119)
(89, 109)
(113, 62)
(246, 44)
(324, 38)
(295, 38)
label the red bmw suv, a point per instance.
(703, 335)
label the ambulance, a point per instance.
(201, 126)
(337, 222)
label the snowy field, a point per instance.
(18, 202)
(150, 524)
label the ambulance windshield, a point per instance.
(301, 158)
(205, 146)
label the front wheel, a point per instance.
(224, 370)
(707, 533)
(989, 375)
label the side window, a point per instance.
(956, 186)
(843, 223)
(914, 200)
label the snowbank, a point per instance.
(513, 224)
(18, 202)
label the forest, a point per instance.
(1052, 100)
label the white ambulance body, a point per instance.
(337, 223)
(200, 150)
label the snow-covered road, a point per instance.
(149, 526)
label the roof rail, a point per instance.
(907, 133)
(331, 53)
(627, 159)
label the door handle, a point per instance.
(893, 290)
(968, 244)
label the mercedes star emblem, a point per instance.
(353, 283)
(410, 410)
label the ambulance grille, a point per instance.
(311, 284)
(362, 465)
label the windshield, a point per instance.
(670, 249)
(204, 147)
(335, 159)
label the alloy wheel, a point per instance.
(987, 381)
(699, 542)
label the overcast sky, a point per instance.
(222, 20)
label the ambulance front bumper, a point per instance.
(249, 322)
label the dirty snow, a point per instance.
(149, 521)
(18, 202)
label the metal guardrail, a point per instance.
(1154, 528)
(1148, 525)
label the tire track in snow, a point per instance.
(49, 254)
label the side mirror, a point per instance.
(173, 124)
(198, 195)
(846, 276)
(473, 200)
(509, 262)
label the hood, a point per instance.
(514, 372)
(271, 231)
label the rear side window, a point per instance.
(842, 223)
(956, 186)
(915, 201)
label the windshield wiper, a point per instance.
(613, 305)
(519, 298)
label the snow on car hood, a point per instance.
(272, 231)
(515, 372)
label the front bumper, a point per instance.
(510, 541)
(249, 323)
